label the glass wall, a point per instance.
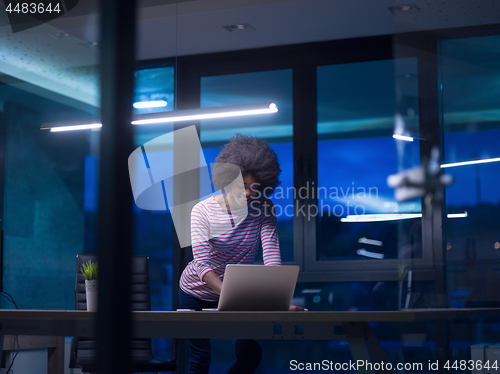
(153, 229)
(48, 183)
(358, 216)
(276, 129)
(470, 71)
(51, 179)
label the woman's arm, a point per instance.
(269, 235)
(270, 243)
(200, 235)
(213, 281)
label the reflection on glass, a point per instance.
(154, 90)
(154, 230)
(470, 72)
(48, 73)
(470, 68)
(357, 151)
(275, 129)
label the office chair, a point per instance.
(83, 350)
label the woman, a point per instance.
(226, 229)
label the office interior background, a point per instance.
(346, 75)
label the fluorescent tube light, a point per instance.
(205, 113)
(364, 252)
(380, 217)
(166, 117)
(311, 290)
(150, 104)
(457, 215)
(370, 241)
(76, 127)
(470, 162)
(402, 137)
(390, 217)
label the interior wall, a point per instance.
(43, 208)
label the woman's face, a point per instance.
(243, 191)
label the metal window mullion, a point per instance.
(115, 198)
(432, 221)
(307, 157)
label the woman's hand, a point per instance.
(295, 308)
(213, 281)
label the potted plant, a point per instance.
(89, 271)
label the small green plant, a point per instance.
(89, 270)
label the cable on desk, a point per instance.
(9, 297)
(16, 342)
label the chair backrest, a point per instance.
(140, 282)
(83, 350)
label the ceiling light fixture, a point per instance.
(150, 104)
(457, 215)
(364, 240)
(485, 161)
(206, 113)
(167, 117)
(402, 137)
(404, 9)
(59, 35)
(364, 252)
(380, 217)
(391, 217)
(76, 127)
(89, 45)
(239, 27)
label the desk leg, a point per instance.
(364, 346)
(1, 345)
(55, 360)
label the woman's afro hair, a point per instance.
(251, 155)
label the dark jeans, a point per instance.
(248, 352)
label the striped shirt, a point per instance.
(220, 237)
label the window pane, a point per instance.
(470, 70)
(470, 74)
(356, 154)
(47, 183)
(276, 129)
(152, 86)
(153, 229)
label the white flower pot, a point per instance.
(91, 294)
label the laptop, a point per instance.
(258, 288)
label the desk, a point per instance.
(351, 326)
(53, 344)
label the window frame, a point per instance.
(370, 270)
(304, 59)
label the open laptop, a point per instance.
(258, 288)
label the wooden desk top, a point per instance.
(207, 323)
(405, 315)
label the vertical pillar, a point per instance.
(115, 197)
